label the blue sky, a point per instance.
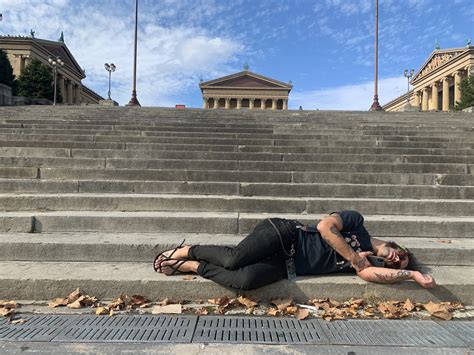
(325, 47)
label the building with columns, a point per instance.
(436, 84)
(245, 90)
(21, 50)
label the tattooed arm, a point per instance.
(386, 275)
(330, 228)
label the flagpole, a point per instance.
(375, 104)
(134, 100)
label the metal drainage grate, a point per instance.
(129, 329)
(258, 330)
(36, 328)
(462, 329)
(390, 332)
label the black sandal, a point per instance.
(175, 267)
(166, 257)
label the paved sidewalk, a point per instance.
(57, 334)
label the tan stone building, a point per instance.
(245, 90)
(436, 84)
(21, 50)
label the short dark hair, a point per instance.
(403, 253)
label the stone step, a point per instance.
(216, 203)
(122, 134)
(236, 188)
(143, 247)
(219, 222)
(326, 142)
(235, 148)
(246, 176)
(236, 165)
(182, 154)
(47, 280)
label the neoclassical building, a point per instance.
(21, 50)
(436, 84)
(245, 90)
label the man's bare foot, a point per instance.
(171, 266)
(179, 254)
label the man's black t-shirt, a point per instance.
(314, 256)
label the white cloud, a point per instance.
(171, 59)
(349, 97)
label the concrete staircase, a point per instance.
(90, 195)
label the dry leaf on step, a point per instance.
(282, 303)
(58, 302)
(100, 311)
(247, 302)
(439, 310)
(302, 313)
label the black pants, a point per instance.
(256, 261)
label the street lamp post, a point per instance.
(134, 101)
(54, 63)
(408, 76)
(110, 68)
(375, 104)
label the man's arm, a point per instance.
(330, 228)
(389, 276)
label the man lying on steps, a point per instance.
(279, 248)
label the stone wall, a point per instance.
(5, 95)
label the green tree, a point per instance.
(6, 70)
(35, 81)
(467, 94)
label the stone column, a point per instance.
(62, 88)
(69, 92)
(274, 104)
(251, 103)
(446, 94)
(204, 102)
(262, 104)
(239, 104)
(457, 91)
(285, 104)
(434, 97)
(79, 94)
(424, 102)
(417, 99)
(216, 102)
(227, 103)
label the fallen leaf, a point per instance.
(145, 305)
(439, 310)
(111, 313)
(202, 311)
(358, 302)
(282, 303)
(6, 311)
(247, 302)
(446, 241)
(100, 311)
(77, 303)
(189, 277)
(8, 304)
(58, 302)
(166, 302)
(302, 313)
(291, 310)
(409, 306)
(138, 300)
(171, 308)
(119, 303)
(73, 296)
(273, 312)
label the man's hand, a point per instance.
(360, 261)
(424, 280)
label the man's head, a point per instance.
(396, 256)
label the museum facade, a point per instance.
(245, 90)
(436, 84)
(21, 50)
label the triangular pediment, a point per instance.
(437, 59)
(245, 79)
